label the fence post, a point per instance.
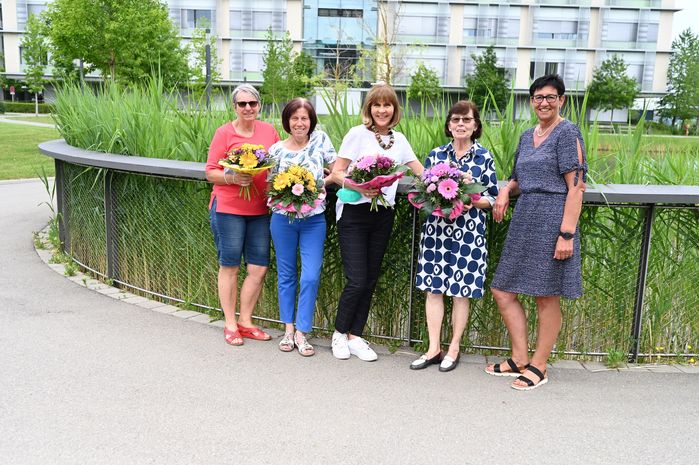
(411, 289)
(109, 205)
(641, 283)
(61, 206)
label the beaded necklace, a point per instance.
(379, 139)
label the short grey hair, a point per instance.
(245, 88)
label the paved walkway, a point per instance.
(86, 378)
(10, 119)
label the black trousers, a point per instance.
(364, 237)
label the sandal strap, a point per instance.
(524, 379)
(513, 366)
(537, 372)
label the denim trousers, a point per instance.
(307, 237)
(364, 237)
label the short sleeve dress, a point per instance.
(453, 254)
(527, 265)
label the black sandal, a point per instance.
(543, 379)
(514, 370)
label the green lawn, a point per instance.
(19, 155)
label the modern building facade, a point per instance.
(531, 37)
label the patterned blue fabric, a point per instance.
(453, 254)
(526, 264)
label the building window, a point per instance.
(338, 61)
(340, 13)
(196, 18)
(565, 30)
(622, 32)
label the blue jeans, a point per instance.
(308, 237)
(235, 235)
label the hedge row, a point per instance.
(24, 107)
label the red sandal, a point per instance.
(233, 337)
(254, 333)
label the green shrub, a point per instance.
(27, 107)
(2, 106)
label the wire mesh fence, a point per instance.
(162, 243)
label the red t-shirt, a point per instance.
(228, 196)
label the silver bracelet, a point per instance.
(225, 172)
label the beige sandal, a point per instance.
(303, 346)
(287, 342)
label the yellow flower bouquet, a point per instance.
(247, 159)
(296, 192)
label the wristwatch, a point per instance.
(566, 235)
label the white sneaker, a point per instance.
(339, 345)
(361, 349)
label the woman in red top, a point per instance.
(240, 226)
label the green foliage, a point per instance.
(487, 83)
(611, 88)
(26, 107)
(35, 53)
(682, 99)
(126, 40)
(286, 74)
(615, 358)
(424, 85)
(304, 70)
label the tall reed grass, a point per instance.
(164, 243)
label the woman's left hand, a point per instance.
(564, 249)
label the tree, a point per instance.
(126, 40)
(287, 74)
(682, 99)
(304, 71)
(35, 54)
(424, 85)
(611, 88)
(487, 79)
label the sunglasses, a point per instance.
(252, 103)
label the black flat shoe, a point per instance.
(449, 363)
(424, 362)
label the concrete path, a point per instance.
(10, 120)
(88, 379)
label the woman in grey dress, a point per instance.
(541, 257)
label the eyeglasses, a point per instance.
(457, 119)
(540, 98)
(252, 103)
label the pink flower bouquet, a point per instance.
(374, 172)
(443, 190)
(295, 191)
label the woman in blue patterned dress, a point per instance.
(541, 256)
(453, 254)
(313, 150)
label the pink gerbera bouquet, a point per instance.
(444, 189)
(374, 172)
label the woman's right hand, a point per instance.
(502, 203)
(240, 179)
(369, 193)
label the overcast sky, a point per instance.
(687, 18)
